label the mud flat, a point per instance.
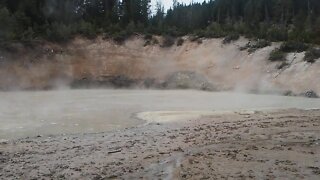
(281, 144)
(24, 114)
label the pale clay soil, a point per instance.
(223, 65)
(278, 144)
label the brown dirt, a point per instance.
(261, 145)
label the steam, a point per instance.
(88, 111)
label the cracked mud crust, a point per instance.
(283, 144)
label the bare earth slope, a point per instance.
(250, 145)
(50, 65)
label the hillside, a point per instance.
(137, 64)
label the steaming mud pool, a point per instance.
(25, 114)
(153, 134)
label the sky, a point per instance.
(168, 3)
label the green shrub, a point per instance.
(168, 41)
(148, 37)
(28, 34)
(199, 34)
(312, 55)
(277, 55)
(215, 30)
(252, 47)
(194, 38)
(293, 46)
(150, 40)
(242, 48)
(131, 27)
(113, 29)
(147, 43)
(155, 41)
(301, 35)
(120, 37)
(86, 29)
(180, 42)
(230, 38)
(7, 24)
(261, 43)
(173, 31)
(241, 27)
(277, 33)
(59, 32)
(251, 50)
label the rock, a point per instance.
(288, 93)
(3, 141)
(148, 157)
(315, 170)
(120, 81)
(115, 151)
(310, 94)
(149, 82)
(187, 80)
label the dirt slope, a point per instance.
(50, 65)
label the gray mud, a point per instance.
(261, 145)
(31, 114)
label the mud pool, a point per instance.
(24, 114)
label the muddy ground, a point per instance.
(282, 144)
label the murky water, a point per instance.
(85, 111)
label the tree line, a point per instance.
(59, 20)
